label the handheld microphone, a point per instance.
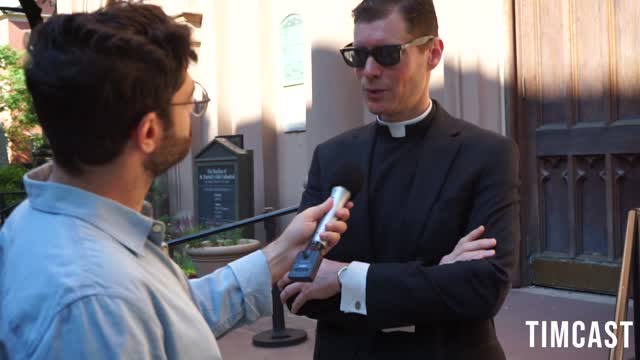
(346, 182)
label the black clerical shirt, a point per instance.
(391, 177)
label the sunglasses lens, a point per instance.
(355, 57)
(386, 55)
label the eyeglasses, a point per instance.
(385, 55)
(200, 100)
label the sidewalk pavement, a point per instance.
(538, 304)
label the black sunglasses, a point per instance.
(385, 55)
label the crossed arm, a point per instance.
(327, 282)
(470, 282)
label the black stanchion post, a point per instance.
(279, 335)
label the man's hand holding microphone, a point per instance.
(281, 253)
(313, 232)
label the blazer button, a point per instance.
(357, 305)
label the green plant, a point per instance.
(11, 181)
(11, 178)
(15, 98)
(182, 226)
(15, 95)
(184, 261)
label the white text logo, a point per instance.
(559, 334)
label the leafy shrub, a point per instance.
(15, 98)
(11, 181)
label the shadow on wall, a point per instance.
(281, 161)
(336, 98)
(549, 149)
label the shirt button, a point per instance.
(357, 305)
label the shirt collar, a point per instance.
(398, 129)
(125, 225)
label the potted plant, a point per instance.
(214, 251)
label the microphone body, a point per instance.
(340, 197)
(306, 265)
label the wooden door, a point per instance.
(578, 86)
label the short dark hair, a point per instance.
(93, 77)
(419, 15)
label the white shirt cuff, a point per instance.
(353, 298)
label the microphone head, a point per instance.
(348, 175)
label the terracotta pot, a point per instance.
(208, 259)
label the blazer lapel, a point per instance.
(438, 153)
(356, 243)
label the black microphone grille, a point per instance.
(348, 175)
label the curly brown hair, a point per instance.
(93, 76)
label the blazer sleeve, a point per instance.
(327, 309)
(400, 294)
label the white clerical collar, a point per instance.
(398, 129)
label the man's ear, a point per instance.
(435, 53)
(148, 134)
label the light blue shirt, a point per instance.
(84, 277)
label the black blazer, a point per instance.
(466, 177)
